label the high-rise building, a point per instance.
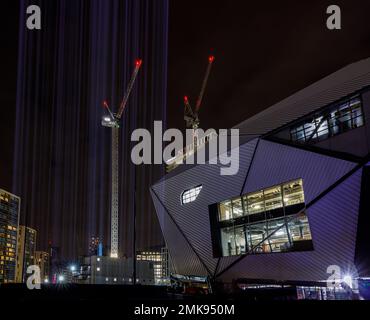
(42, 259)
(159, 258)
(26, 248)
(9, 221)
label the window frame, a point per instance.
(299, 132)
(200, 187)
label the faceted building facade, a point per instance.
(298, 205)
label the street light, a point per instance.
(348, 280)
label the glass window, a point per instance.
(225, 210)
(264, 234)
(310, 129)
(191, 194)
(357, 118)
(322, 128)
(299, 228)
(343, 116)
(237, 208)
(257, 233)
(293, 193)
(279, 240)
(240, 244)
(298, 134)
(273, 198)
(231, 209)
(255, 202)
(332, 121)
(228, 241)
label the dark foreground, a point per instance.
(129, 293)
(146, 302)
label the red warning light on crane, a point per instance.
(139, 62)
(211, 58)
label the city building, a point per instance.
(107, 270)
(26, 247)
(55, 262)
(159, 258)
(95, 246)
(42, 259)
(9, 222)
(297, 209)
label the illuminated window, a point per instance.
(293, 193)
(255, 202)
(225, 210)
(190, 195)
(330, 122)
(270, 199)
(265, 221)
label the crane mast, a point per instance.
(113, 121)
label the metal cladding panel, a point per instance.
(333, 223)
(184, 259)
(339, 84)
(193, 218)
(275, 163)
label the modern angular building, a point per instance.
(299, 205)
(9, 221)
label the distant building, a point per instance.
(159, 257)
(95, 246)
(9, 221)
(107, 270)
(42, 259)
(26, 248)
(54, 253)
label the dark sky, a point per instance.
(265, 51)
(8, 79)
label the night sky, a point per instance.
(264, 53)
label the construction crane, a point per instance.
(112, 120)
(191, 116)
